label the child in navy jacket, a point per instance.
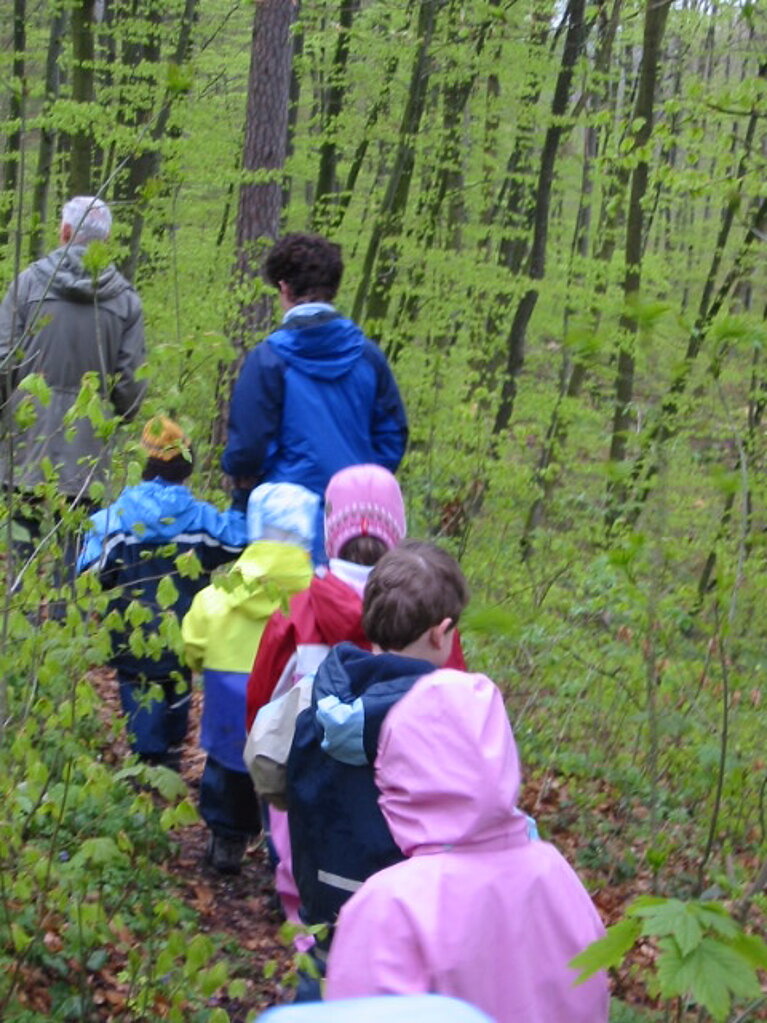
(134, 545)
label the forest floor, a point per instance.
(242, 913)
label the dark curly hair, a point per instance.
(309, 264)
(414, 587)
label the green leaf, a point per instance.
(608, 951)
(167, 592)
(672, 917)
(490, 621)
(36, 385)
(100, 850)
(753, 949)
(96, 258)
(212, 979)
(711, 974)
(199, 951)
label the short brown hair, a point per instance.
(363, 550)
(414, 587)
(309, 264)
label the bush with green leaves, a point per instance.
(704, 959)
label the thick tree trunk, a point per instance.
(260, 198)
(81, 141)
(656, 13)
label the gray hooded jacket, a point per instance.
(56, 320)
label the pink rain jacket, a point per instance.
(478, 911)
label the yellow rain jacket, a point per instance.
(222, 630)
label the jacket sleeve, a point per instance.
(226, 535)
(255, 414)
(102, 552)
(278, 643)
(194, 632)
(375, 949)
(388, 428)
(127, 391)
(12, 325)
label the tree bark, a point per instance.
(16, 116)
(326, 192)
(574, 364)
(260, 199)
(47, 147)
(536, 263)
(82, 93)
(711, 301)
(145, 165)
(259, 206)
(656, 13)
(379, 266)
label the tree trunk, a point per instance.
(260, 198)
(266, 124)
(380, 264)
(16, 116)
(47, 147)
(646, 465)
(445, 184)
(536, 263)
(326, 192)
(574, 364)
(82, 93)
(656, 13)
(146, 164)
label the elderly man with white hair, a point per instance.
(62, 319)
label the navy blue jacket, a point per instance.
(134, 544)
(338, 835)
(316, 396)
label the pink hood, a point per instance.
(448, 769)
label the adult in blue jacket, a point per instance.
(316, 396)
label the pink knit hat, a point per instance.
(363, 500)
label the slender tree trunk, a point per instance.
(82, 93)
(445, 187)
(16, 116)
(536, 263)
(336, 214)
(47, 147)
(380, 262)
(711, 301)
(327, 174)
(574, 364)
(757, 402)
(146, 164)
(656, 13)
(140, 59)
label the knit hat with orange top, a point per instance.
(168, 448)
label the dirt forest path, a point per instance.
(241, 909)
